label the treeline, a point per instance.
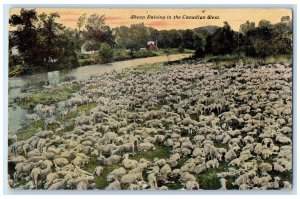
(263, 40)
(43, 44)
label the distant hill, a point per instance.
(206, 30)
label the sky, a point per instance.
(166, 19)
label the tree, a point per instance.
(49, 39)
(43, 43)
(223, 41)
(105, 53)
(133, 37)
(122, 36)
(97, 32)
(81, 21)
(244, 28)
(187, 37)
(139, 34)
(25, 25)
(199, 43)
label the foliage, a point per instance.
(96, 31)
(49, 47)
(105, 53)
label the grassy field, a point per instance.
(235, 60)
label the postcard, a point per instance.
(150, 99)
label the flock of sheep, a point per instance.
(239, 117)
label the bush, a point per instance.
(105, 53)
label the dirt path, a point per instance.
(86, 71)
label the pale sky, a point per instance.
(117, 17)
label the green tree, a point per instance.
(223, 41)
(81, 21)
(187, 39)
(199, 43)
(43, 43)
(122, 36)
(97, 32)
(139, 34)
(105, 53)
(25, 25)
(244, 28)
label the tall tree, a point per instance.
(81, 21)
(97, 32)
(25, 25)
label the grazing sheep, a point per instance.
(223, 183)
(49, 179)
(114, 159)
(115, 185)
(98, 170)
(58, 184)
(116, 174)
(186, 176)
(60, 162)
(192, 185)
(22, 168)
(35, 173)
(129, 164)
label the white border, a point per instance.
(236, 194)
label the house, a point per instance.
(151, 46)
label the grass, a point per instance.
(101, 181)
(208, 180)
(235, 60)
(47, 97)
(31, 129)
(148, 68)
(86, 108)
(160, 152)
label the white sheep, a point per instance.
(129, 164)
(191, 185)
(223, 183)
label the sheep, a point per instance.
(235, 162)
(191, 185)
(278, 167)
(212, 164)
(22, 168)
(283, 139)
(35, 173)
(115, 185)
(164, 172)
(265, 167)
(287, 185)
(114, 159)
(98, 170)
(152, 177)
(186, 176)
(58, 184)
(200, 168)
(229, 155)
(127, 147)
(242, 179)
(82, 185)
(60, 162)
(223, 183)
(131, 177)
(129, 164)
(146, 146)
(49, 179)
(116, 174)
